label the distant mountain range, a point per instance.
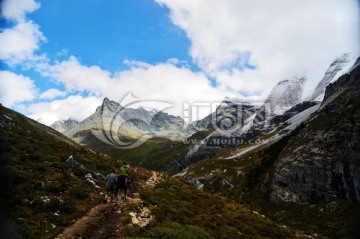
(137, 123)
(234, 123)
(112, 121)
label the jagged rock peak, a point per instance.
(108, 104)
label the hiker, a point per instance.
(130, 178)
(110, 184)
(122, 180)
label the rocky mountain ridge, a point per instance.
(238, 123)
(318, 164)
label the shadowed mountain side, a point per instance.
(47, 180)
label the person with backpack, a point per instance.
(110, 184)
(122, 180)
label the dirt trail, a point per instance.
(103, 221)
(152, 181)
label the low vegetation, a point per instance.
(182, 212)
(43, 193)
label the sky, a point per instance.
(59, 59)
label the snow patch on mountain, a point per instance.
(291, 123)
(301, 117)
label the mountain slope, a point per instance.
(317, 163)
(42, 192)
(243, 126)
(322, 163)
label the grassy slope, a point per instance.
(33, 166)
(153, 154)
(182, 212)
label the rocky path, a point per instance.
(103, 221)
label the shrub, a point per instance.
(175, 230)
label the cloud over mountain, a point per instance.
(237, 48)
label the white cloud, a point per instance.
(74, 106)
(15, 88)
(17, 9)
(52, 94)
(77, 77)
(282, 38)
(164, 81)
(167, 82)
(19, 43)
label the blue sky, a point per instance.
(59, 59)
(112, 31)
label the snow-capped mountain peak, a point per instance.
(286, 93)
(337, 68)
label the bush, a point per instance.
(175, 230)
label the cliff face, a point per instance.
(322, 163)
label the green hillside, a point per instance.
(153, 154)
(41, 192)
